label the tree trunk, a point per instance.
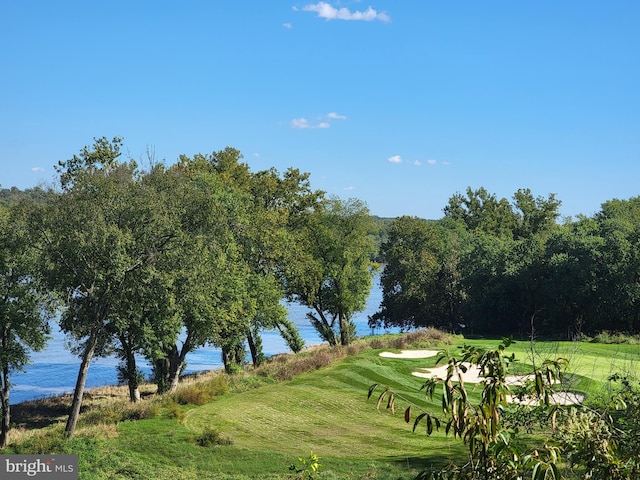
(227, 359)
(176, 363)
(255, 347)
(344, 333)
(131, 369)
(6, 410)
(89, 350)
(161, 373)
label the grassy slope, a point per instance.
(325, 411)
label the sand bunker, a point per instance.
(410, 354)
(472, 375)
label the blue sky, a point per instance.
(398, 103)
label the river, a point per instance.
(54, 370)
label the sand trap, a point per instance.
(472, 375)
(411, 354)
(559, 398)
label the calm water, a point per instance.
(54, 370)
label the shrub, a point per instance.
(218, 385)
(211, 437)
(193, 395)
(616, 338)
(174, 410)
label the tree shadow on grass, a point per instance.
(41, 413)
(423, 463)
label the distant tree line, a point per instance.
(492, 266)
(163, 260)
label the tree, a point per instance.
(95, 238)
(482, 211)
(534, 215)
(420, 276)
(208, 282)
(25, 309)
(335, 271)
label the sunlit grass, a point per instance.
(322, 408)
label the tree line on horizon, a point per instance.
(492, 266)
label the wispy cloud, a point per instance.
(287, 25)
(329, 12)
(37, 169)
(323, 121)
(417, 163)
(336, 116)
(349, 188)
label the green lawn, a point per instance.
(326, 412)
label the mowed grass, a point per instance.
(325, 411)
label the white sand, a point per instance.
(472, 375)
(410, 354)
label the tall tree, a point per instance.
(421, 277)
(482, 211)
(335, 274)
(24, 309)
(95, 240)
(272, 205)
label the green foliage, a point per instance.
(307, 468)
(199, 393)
(420, 281)
(615, 338)
(173, 410)
(333, 273)
(494, 452)
(211, 437)
(604, 443)
(25, 306)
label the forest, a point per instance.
(492, 266)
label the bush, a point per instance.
(174, 410)
(616, 338)
(218, 385)
(117, 411)
(211, 437)
(193, 395)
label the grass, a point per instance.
(256, 424)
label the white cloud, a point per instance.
(417, 163)
(432, 162)
(322, 121)
(325, 10)
(395, 159)
(300, 123)
(336, 116)
(350, 187)
(287, 25)
(37, 169)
